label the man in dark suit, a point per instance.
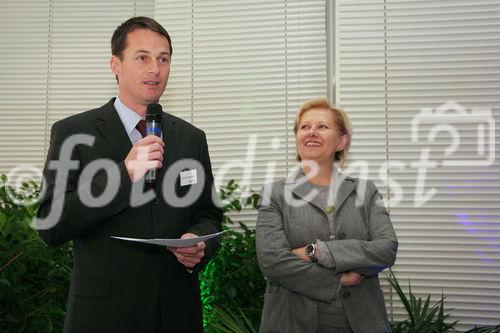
(120, 286)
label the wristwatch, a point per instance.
(311, 252)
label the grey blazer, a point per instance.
(364, 241)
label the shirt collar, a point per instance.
(128, 117)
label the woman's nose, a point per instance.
(311, 131)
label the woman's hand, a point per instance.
(347, 279)
(350, 279)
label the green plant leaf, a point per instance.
(235, 261)
(423, 317)
(231, 321)
(485, 329)
(3, 218)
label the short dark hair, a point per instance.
(119, 39)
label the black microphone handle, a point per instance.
(153, 127)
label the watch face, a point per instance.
(309, 250)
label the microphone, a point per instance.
(153, 127)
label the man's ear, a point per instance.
(115, 64)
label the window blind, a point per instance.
(80, 76)
(55, 62)
(23, 82)
(240, 71)
(420, 81)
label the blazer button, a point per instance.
(154, 288)
(346, 295)
(341, 235)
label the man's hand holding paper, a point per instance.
(189, 256)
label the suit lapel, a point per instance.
(171, 139)
(299, 186)
(111, 128)
(345, 186)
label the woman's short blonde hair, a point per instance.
(341, 119)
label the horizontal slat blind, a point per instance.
(240, 71)
(80, 75)
(361, 91)
(23, 82)
(440, 57)
(54, 63)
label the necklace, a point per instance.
(329, 209)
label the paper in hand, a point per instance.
(177, 242)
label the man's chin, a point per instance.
(152, 99)
(152, 96)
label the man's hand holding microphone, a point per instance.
(146, 155)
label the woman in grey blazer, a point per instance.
(322, 237)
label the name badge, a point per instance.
(189, 177)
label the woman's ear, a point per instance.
(344, 140)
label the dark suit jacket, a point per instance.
(120, 286)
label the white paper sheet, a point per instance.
(177, 242)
